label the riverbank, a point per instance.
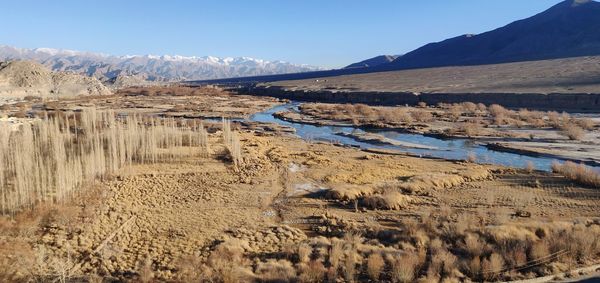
(545, 134)
(563, 85)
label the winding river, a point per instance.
(451, 149)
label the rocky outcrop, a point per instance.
(558, 101)
(30, 78)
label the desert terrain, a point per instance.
(240, 201)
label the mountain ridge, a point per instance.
(567, 29)
(155, 67)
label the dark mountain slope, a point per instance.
(568, 29)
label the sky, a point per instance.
(327, 33)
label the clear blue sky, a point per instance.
(330, 33)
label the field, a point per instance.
(254, 203)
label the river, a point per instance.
(450, 149)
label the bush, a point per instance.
(404, 268)
(573, 132)
(586, 123)
(497, 110)
(579, 173)
(375, 265)
(422, 115)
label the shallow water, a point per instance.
(452, 149)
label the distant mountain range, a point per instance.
(150, 67)
(569, 29)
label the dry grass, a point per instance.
(388, 200)
(170, 91)
(50, 159)
(421, 115)
(529, 167)
(336, 253)
(572, 131)
(312, 272)
(375, 265)
(232, 143)
(579, 173)
(586, 123)
(497, 110)
(404, 268)
(276, 271)
(470, 129)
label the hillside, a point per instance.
(569, 75)
(568, 29)
(152, 68)
(18, 78)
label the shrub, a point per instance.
(529, 167)
(313, 272)
(304, 252)
(539, 250)
(404, 268)
(492, 266)
(586, 123)
(554, 119)
(497, 110)
(573, 132)
(392, 200)
(579, 173)
(470, 129)
(455, 112)
(469, 107)
(276, 271)
(375, 265)
(422, 115)
(481, 107)
(336, 253)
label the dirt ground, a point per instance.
(201, 219)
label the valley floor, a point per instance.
(299, 211)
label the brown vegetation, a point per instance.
(578, 172)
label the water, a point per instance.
(452, 149)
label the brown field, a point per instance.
(261, 205)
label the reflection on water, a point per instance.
(454, 149)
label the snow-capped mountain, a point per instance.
(154, 68)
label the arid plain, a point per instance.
(250, 201)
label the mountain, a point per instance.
(31, 78)
(568, 29)
(153, 68)
(373, 62)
